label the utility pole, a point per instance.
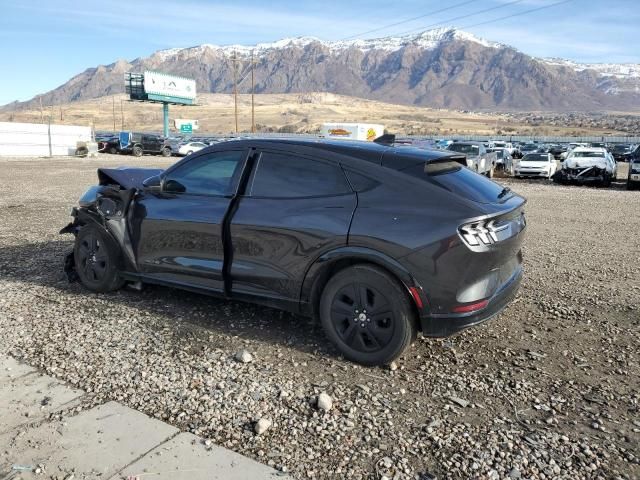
(234, 58)
(41, 110)
(121, 115)
(113, 103)
(253, 87)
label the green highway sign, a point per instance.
(186, 128)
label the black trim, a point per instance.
(227, 241)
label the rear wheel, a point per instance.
(491, 171)
(137, 151)
(367, 315)
(166, 152)
(97, 259)
(113, 150)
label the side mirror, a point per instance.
(153, 184)
(173, 186)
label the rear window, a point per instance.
(464, 148)
(457, 179)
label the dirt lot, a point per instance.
(549, 389)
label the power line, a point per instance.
(517, 14)
(384, 27)
(461, 17)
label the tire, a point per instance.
(113, 150)
(367, 315)
(96, 259)
(491, 172)
(166, 152)
(137, 151)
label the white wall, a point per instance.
(31, 139)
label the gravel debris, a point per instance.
(324, 402)
(262, 425)
(243, 356)
(563, 356)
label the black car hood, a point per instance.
(126, 177)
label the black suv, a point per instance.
(376, 241)
(141, 143)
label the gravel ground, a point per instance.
(549, 389)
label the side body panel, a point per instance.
(179, 237)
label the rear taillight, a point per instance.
(485, 233)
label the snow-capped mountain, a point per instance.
(444, 67)
(428, 40)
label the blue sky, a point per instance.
(45, 42)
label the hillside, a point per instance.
(305, 113)
(442, 68)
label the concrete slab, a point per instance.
(32, 398)
(186, 458)
(10, 368)
(93, 444)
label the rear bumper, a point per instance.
(444, 325)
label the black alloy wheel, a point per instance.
(367, 315)
(96, 259)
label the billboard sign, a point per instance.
(352, 131)
(169, 88)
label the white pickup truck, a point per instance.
(478, 158)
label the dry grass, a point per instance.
(293, 112)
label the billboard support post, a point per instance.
(165, 119)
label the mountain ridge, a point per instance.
(443, 68)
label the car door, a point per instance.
(178, 230)
(295, 208)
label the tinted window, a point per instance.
(457, 179)
(205, 175)
(464, 148)
(280, 175)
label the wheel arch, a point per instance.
(330, 263)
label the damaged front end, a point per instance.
(584, 175)
(108, 205)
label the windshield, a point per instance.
(535, 157)
(587, 154)
(620, 148)
(464, 148)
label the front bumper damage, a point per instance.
(584, 175)
(108, 207)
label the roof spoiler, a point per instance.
(386, 139)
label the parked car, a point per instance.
(557, 150)
(499, 144)
(108, 144)
(633, 179)
(191, 147)
(529, 148)
(588, 165)
(478, 158)
(621, 152)
(138, 144)
(541, 165)
(377, 242)
(503, 157)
